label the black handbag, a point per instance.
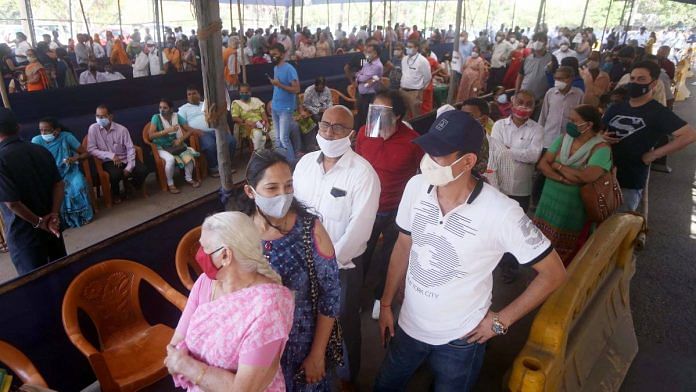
(334, 348)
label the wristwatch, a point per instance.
(498, 327)
(38, 223)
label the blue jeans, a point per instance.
(631, 199)
(455, 365)
(209, 147)
(281, 123)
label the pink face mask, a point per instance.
(205, 261)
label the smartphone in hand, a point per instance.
(387, 337)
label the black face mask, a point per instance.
(636, 90)
(275, 60)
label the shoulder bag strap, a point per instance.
(309, 259)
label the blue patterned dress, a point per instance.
(76, 209)
(287, 257)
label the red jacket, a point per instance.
(395, 160)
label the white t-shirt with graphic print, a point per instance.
(449, 281)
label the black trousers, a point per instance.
(44, 249)
(351, 285)
(137, 176)
(364, 101)
(385, 225)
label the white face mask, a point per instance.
(435, 174)
(333, 148)
(502, 98)
(474, 54)
(276, 206)
(560, 85)
(537, 45)
(411, 51)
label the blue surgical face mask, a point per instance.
(48, 138)
(103, 122)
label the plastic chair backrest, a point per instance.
(185, 259)
(20, 365)
(109, 293)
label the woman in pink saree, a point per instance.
(474, 77)
(238, 316)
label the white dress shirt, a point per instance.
(415, 72)
(523, 145)
(501, 54)
(346, 199)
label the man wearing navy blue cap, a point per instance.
(31, 193)
(454, 229)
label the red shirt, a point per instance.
(395, 160)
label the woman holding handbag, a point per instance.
(576, 158)
(169, 132)
(299, 249)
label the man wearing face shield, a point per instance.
(344, 189)
(386, 142)
(454, 230)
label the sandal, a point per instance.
(173, 189)
(194, 184)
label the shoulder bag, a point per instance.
(603, 196)
(334, 348)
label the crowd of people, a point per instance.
(495, 182)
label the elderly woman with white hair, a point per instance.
(233, 330)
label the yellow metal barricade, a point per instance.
(583, 337)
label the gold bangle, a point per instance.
(201, 375)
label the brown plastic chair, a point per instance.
(103, 175)
(131, 354)
(159, 162)
(185, 259)
(20, 365)
(337, 97)
(351, 91)
(87, 171)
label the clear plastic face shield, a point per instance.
(381, 122)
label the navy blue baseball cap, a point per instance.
(452, 131)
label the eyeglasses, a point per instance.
(335, 128)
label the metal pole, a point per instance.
(231, 17)
(488, 15)
(584, 13)
(293, 22)
(425, 17)
(328, 13)
(455, 49)
(514, 8)
(241, 42)
(628, 21)
(27, 19)
(541, 9)
(84, 16)
(348, 27)
(606, 21)
(370, 24)
(72, 34)
(301, 14)
(384, 15)
(432, 20)
(120, 23)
